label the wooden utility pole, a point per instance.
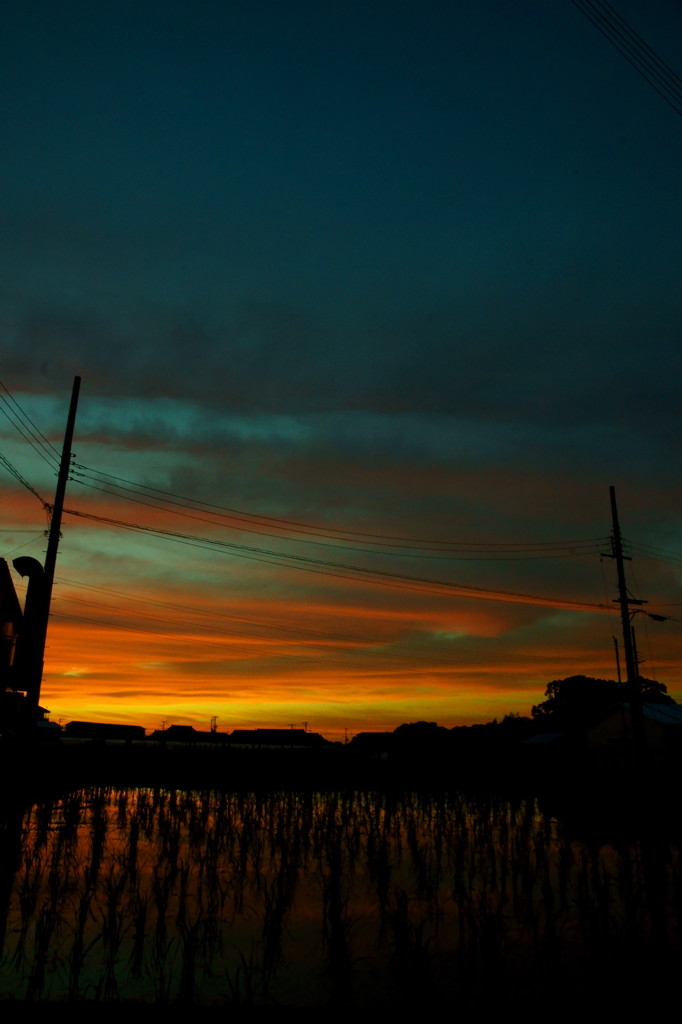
(631, 666)
(623, 600)
(33, 684)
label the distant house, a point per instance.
(103, 731)
(47, 731)
(186, 734)
(610, 737)
(276, 739)
(12, 702)
(10, 624)
(176, 734)
(373, 744)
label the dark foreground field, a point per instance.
(258, 897)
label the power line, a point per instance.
(25, 426)
(384, 577)
(637, 53)
(654, 552)
(22, 480)
(37, 432)
(447, 550)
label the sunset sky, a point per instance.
(371, 303)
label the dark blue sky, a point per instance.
(346, 187)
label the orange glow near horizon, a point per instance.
(271, 628)
(349, 668)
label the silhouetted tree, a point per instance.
(419, 731)
(426, 737)
(573, 701)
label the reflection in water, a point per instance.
(303, 899)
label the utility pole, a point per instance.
(34, 682)
(615, 644)
(631, 667)
(623, 600)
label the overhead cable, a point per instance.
(383, 576)
(430, 549)
(636, 51)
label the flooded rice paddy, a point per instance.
(315, 900)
